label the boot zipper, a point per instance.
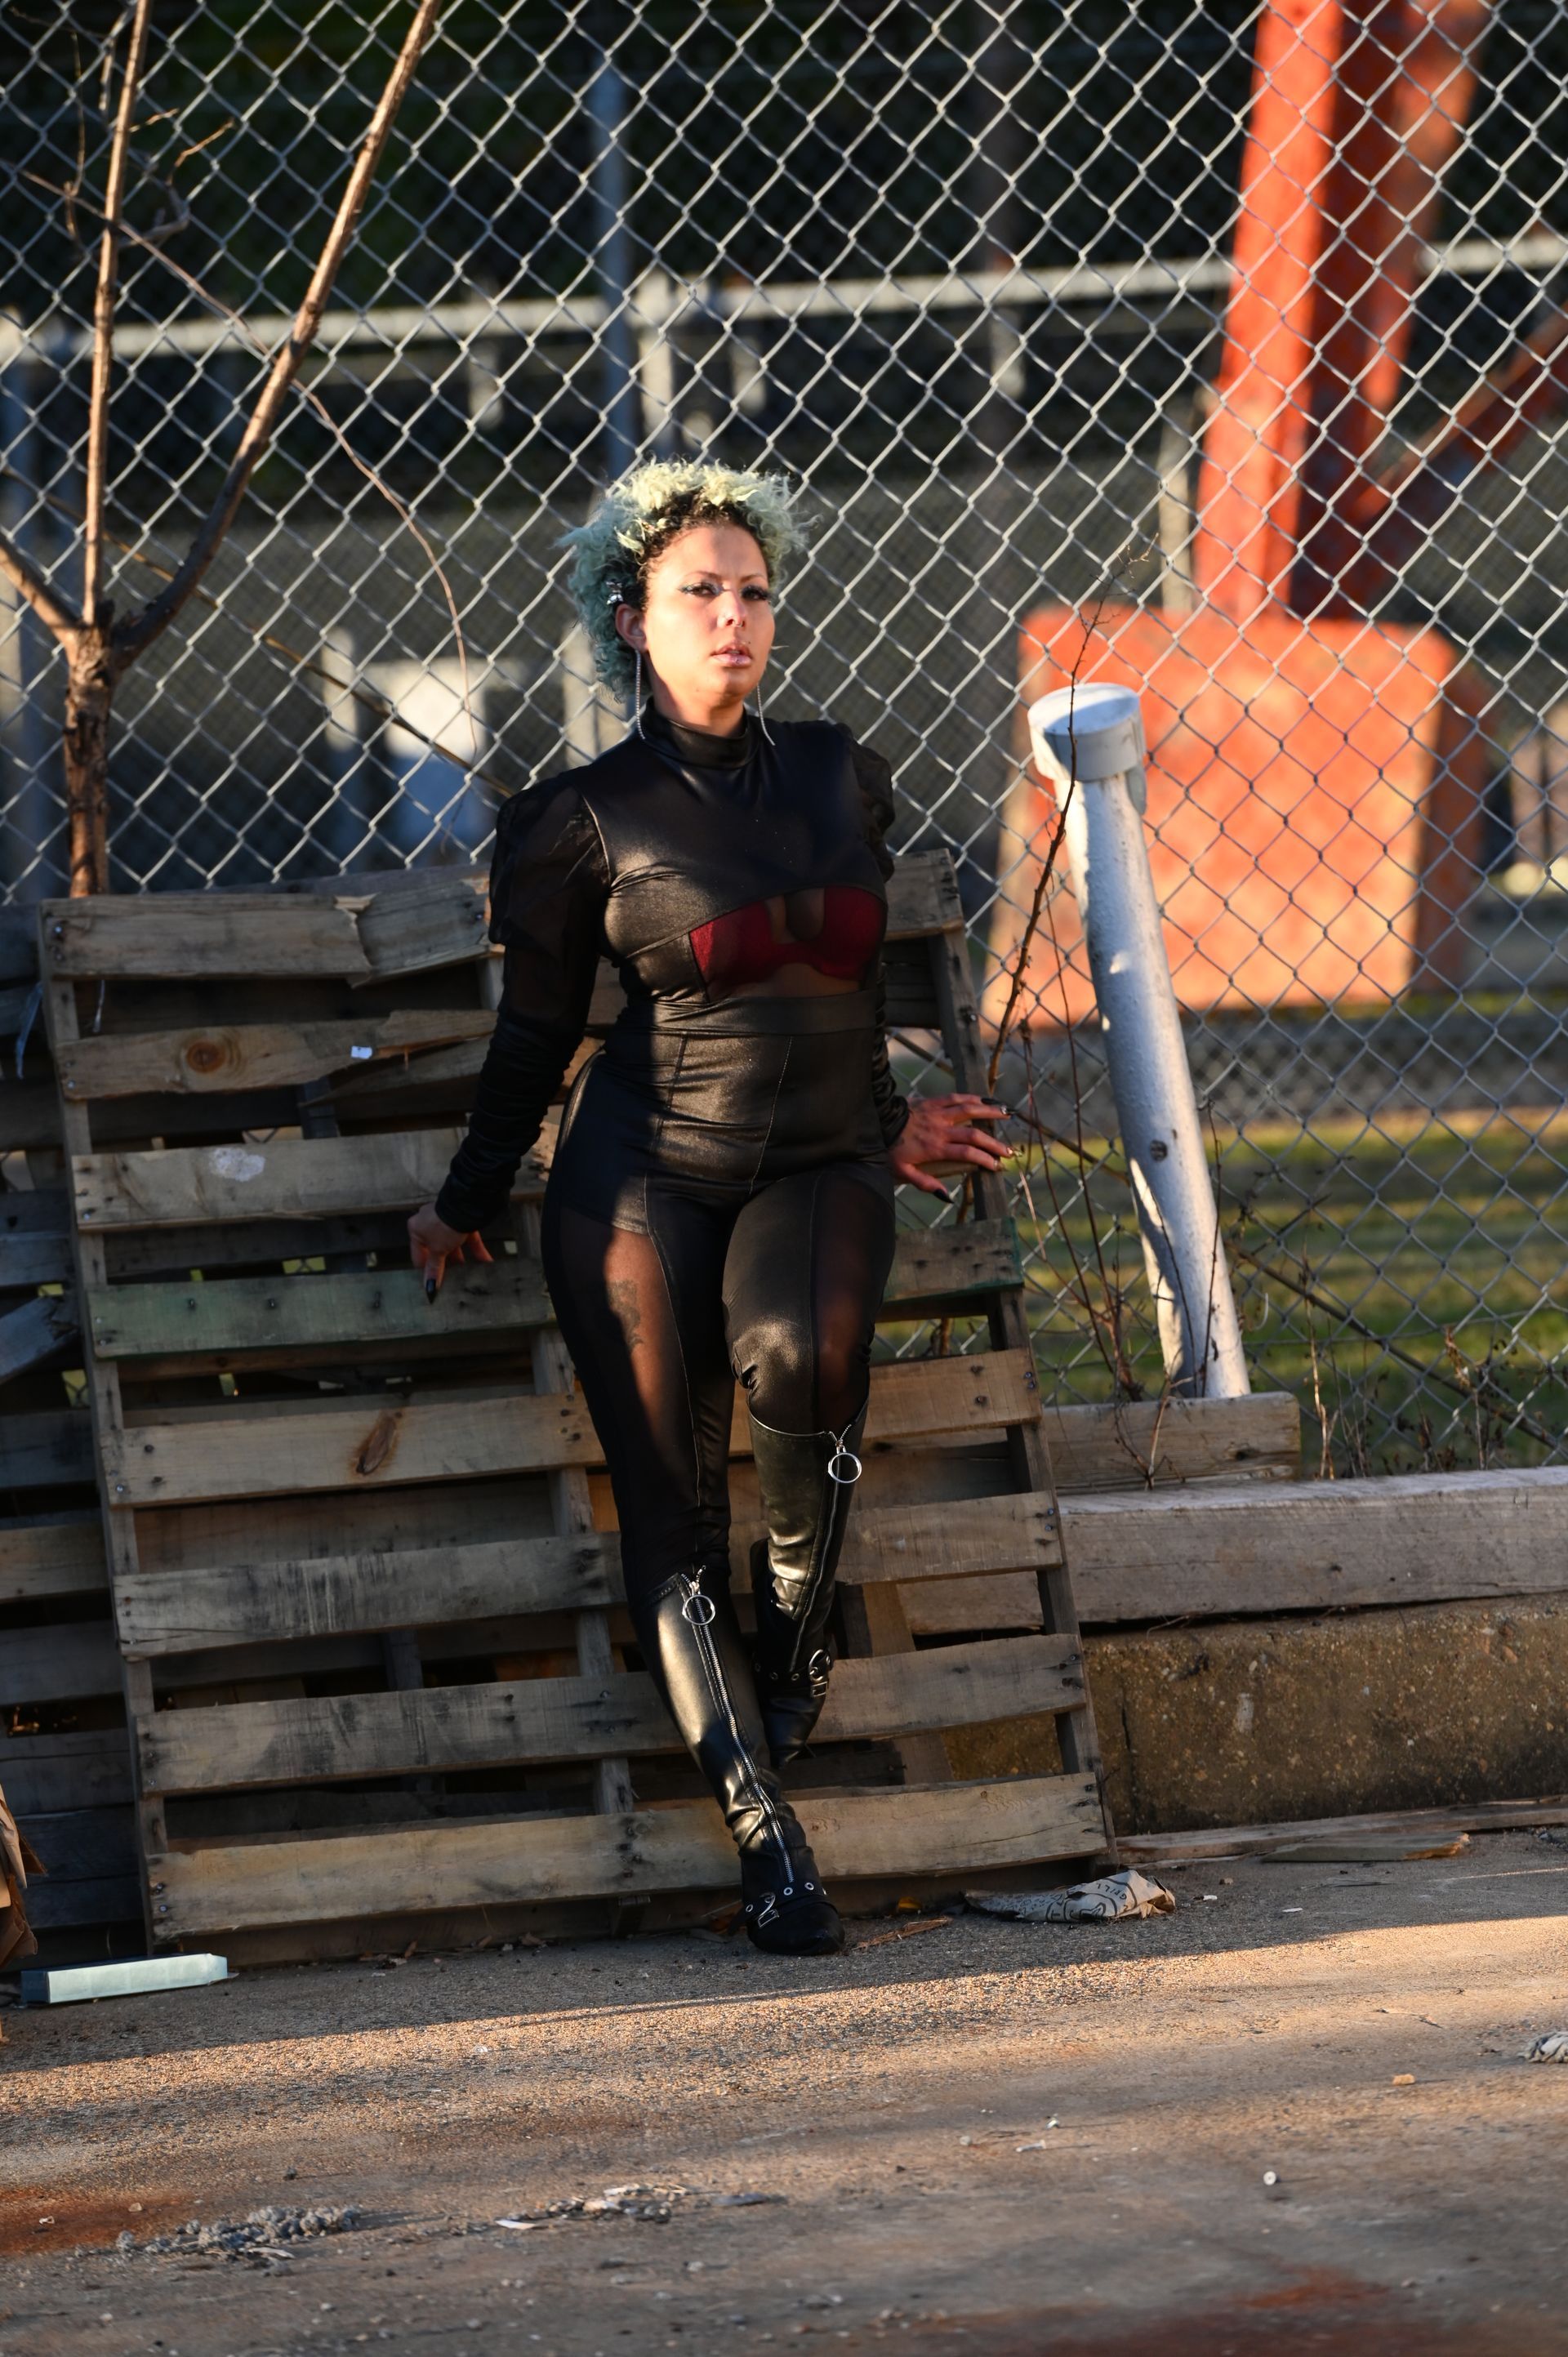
(694, 1593)
(837, 1505)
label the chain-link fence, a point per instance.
(1208, 347)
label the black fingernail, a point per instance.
(430, 1288)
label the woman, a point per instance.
(720, 1208)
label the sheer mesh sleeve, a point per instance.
(549, 884)
(875, 780)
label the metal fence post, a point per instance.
(620, 399)
(1090, 741)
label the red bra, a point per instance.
(836, 928)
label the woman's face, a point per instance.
(705, 630)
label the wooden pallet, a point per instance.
(362, 1550)
(65, 1761)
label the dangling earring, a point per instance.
(637, 693)
(761, 720)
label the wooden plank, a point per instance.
(940, 1268)
(1317, 1546)
(234, 1056)
(452, 1071)
(187, 1607)
(37, 1452)
(1118, 1447)
(37, 1331)
(437, 920)
(966, 1828)
(306, 1178)
(458, 1727)
(308, 1311)
(35, 1234)
(133, 1254)
(63, 1019)
(83, 1769)
(30, 1115)
(183, 1610)
(59, 1663)
(29, 1261)
(91, 1844)
(922, 897)
(68, 1905)
(43, 1559)
(41, 1211)
(312, 1311)
(957, 1607)
(1414, 1825)
(242, 1454)
(185, 935)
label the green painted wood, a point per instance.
(933, 1268)
(235, 1314)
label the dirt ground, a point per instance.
(989, 2137)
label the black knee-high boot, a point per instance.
(808, 1481)
(692, 1645)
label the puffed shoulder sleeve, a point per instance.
(549, 885)
(873, 780)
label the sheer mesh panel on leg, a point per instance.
(643, 1322)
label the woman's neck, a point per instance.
(725, 719)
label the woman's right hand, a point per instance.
(433, 1243)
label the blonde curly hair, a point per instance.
(635, 520)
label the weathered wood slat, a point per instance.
(27, 1261)
(1413, 1826)
(310, 1312)
(42, 1559)
(59, 1663)
(37, 1331)
(437, 920)
(42, 1211)
(30, 1115)
(455, 1727)
(236, 1056)
(922, 897)
(971, 1827)
(942, 1268)
(241, 1454)
(187, 934)
(1118, 1447)
(298, 1177)
(186, 1608)
(35, 1234)
(953, 1608)
(1315, 1546)
(82, 1770)
(313, 1311)
(40, 1451)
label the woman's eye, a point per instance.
(758, 597)
(698, 589)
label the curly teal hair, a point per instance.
(636, 520)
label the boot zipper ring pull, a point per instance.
(843, 1456)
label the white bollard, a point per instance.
(1090, 741)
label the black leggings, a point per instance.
(778, 1293)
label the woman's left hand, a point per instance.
(942, 1129)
